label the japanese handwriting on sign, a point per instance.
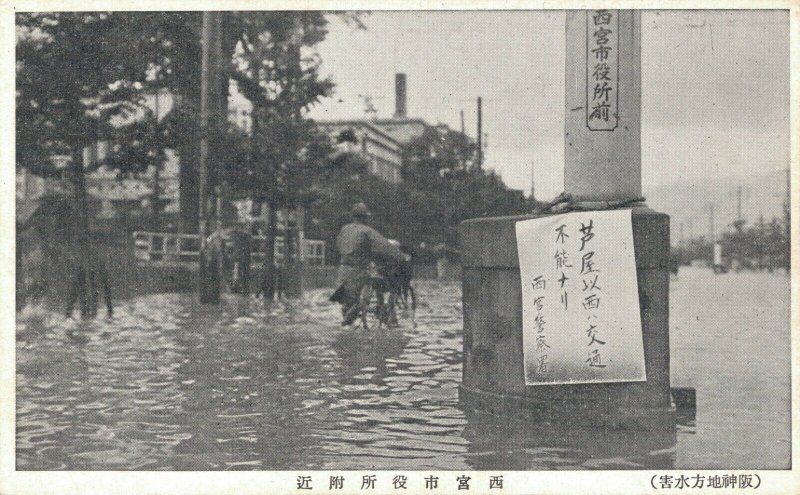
(580, 304)
(601, 53)
(602, 66)
(590, 283)
(539, 322)
(595, 360)
(601, 17)
(560, 234)
(539, 284)
(586, 230)
(562, 263)
(543, 364)
(601, 91)
(587, 264)
(541, 343)
(600, 111)
(602, 72)
(601, 36)
(591, 301)
(562, 259)
(592, 333)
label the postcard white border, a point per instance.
(267, 482)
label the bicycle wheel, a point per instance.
(371, 310)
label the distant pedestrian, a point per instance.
(87, 283)
(241, 251)
(279, 280)
(215, 255)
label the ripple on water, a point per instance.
(172, 384)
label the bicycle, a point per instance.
(380, 295)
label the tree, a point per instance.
(77, 72)
(139, 146)
(763, 245)
(72, 72)
(277, 70)
(270, 58)
(444, 186)
(170, 44)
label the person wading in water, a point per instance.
(358, 244)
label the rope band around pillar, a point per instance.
(566, 202)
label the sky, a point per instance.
(715, 87)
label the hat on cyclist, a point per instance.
(360, 210)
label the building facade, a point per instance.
(370, 141)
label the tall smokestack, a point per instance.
(400, 96)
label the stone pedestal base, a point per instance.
(493, 377)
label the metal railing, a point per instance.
(163, 246)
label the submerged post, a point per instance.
(602, 164)
(210, 120)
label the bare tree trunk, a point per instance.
(268, 282)
(294, 267)
(84, 250)
(155, 199)
(289, 256)
(189, 187)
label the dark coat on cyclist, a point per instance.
(358, 245)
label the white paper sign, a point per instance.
(580, 299)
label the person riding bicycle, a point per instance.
(358, 245)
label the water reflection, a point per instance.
(503, 443)
(359, 349)
(171, 384)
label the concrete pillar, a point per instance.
(603, 163)
(493, 374)
(603, 105)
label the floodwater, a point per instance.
(172, 385)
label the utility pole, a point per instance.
(739, 204)
(480, 133)
(156, 197)
(463, 130)
(210, 87)
(711, 232)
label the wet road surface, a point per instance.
(172, 385)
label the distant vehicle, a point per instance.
(720, 264)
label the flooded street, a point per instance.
(172, 385)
